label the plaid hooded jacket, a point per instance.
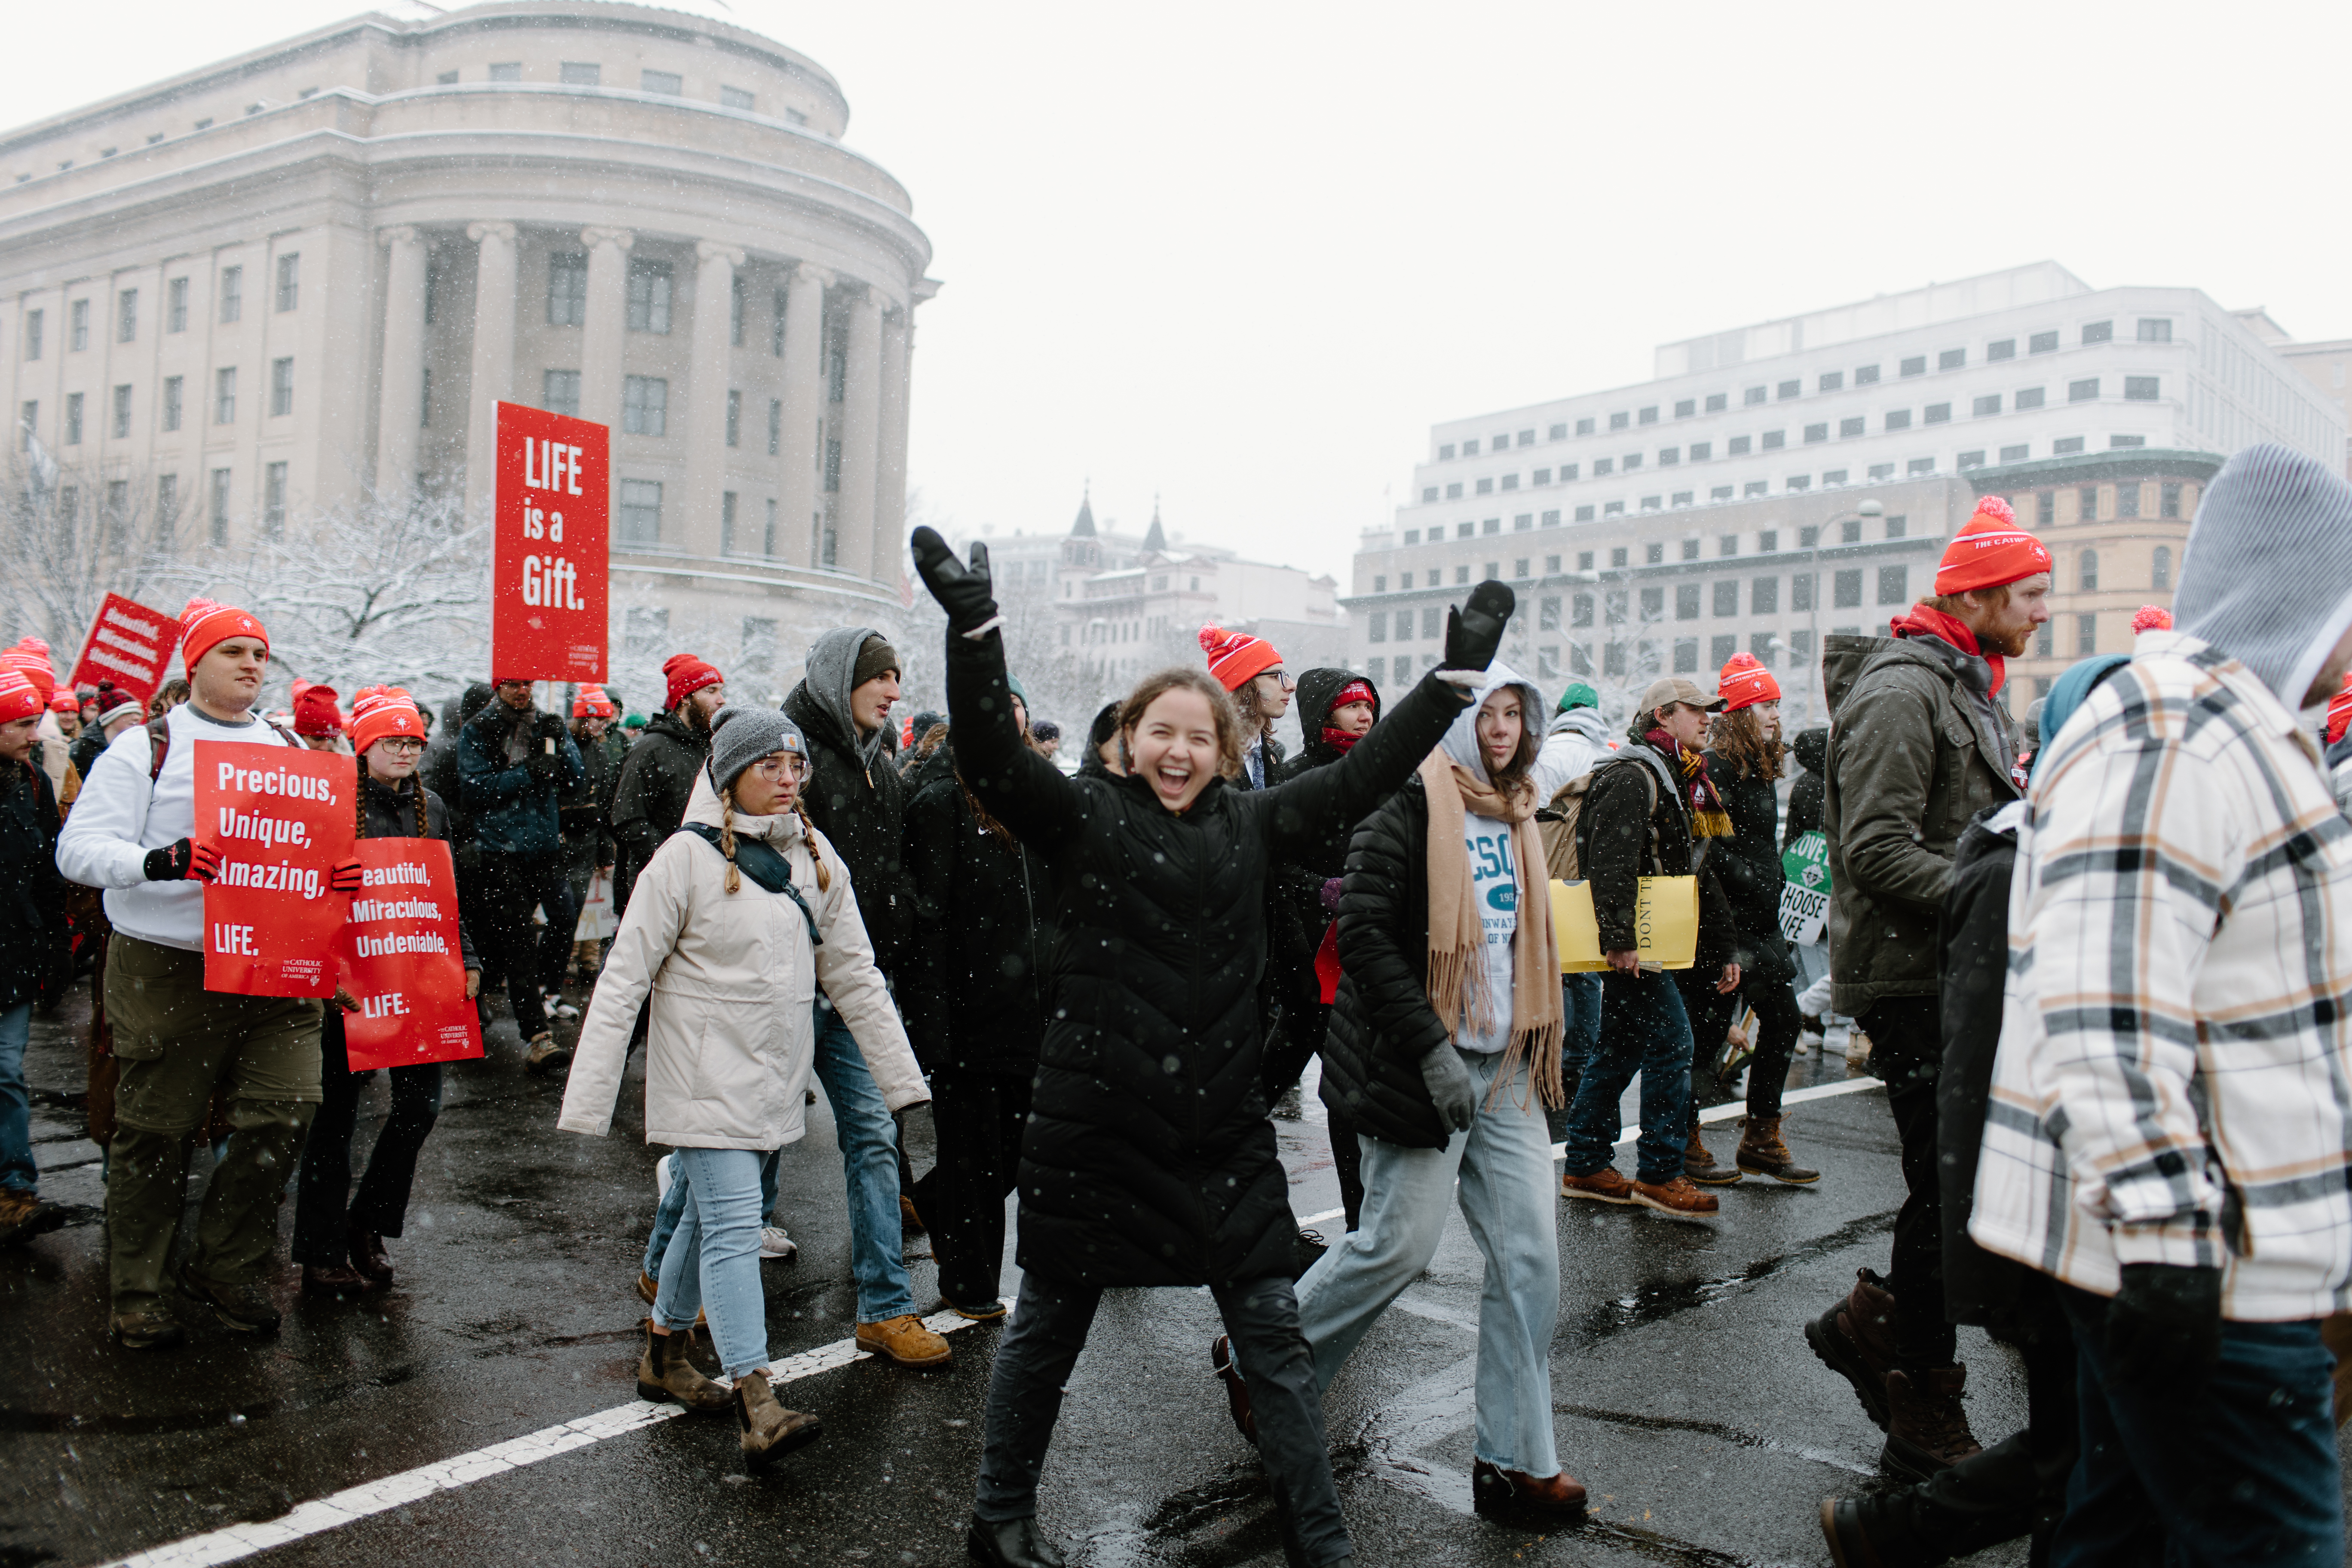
(2174, 1082)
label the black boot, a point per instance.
(1013, 1544)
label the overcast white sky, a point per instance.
(1244, 254)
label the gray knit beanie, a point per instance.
(2267, 577)
(741, 736)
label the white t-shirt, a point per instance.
(1494, 881)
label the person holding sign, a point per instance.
(341, 1248)
(133, 832)
(1646, 811)
(735, 924)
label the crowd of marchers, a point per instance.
(2100, 959)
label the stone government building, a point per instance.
(288, 280)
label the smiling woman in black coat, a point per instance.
(1149, 1159)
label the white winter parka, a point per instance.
(734, 979)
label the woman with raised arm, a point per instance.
(1149, 1159)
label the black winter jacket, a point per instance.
(972, 991)
(390, 813)
(650, 797)
(1149, 1158)
(1381, 1022)
(1811, 750)
(1615, 833)
(1747, 865)
(34, 964)
(1296, 916)
(862, 811)
(585, 812)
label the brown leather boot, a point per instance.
(1700, 1166)
(1926, 1430)
(665, 1375)
(770, 1431)
(1855, 1339)
(1762, 1153)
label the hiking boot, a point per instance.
(770, 1431)
(1926, 1430)
(1700, 1166)
(242, 1308)
(369, 1258)
(336, 1282)
(905, 1340)
(1605, 1186)
(1762, 1152)
(1843, 1526)
(665, 1375)
(1012, 1543)
(149, 1327)
(1494, 1490)
(649, 1291)
(23, 1216)
(545, 1055)
(1677, 1197)
(908, 1220)
(1237, 1398)
(1855, 1339)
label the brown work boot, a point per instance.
(665, 1375)
(1855, 1339)
(369, 1257)
(1605, 1186)
(1926, 1430)
(1494, 1490)
(335, 1282)
(1700, 1166)
(906, 1341)
(1237, 1397)
(23, 1216)
(649, 1291)
(145, 1326)
(770, 1431)
(908, 1220)
(1762, 1152)
(1677, 1197)
(545, 1055)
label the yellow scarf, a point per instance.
(1457, 938)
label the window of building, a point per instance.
(1757, 487)
(736, 98)
(1412, 536)
(1542, 477)
(1429, 494)
(1465, 530)
(77, 326)
(2065, 446)
(2044, 641)
(1894, 586)
(1726, 600)
(167, 509)
(1700, 451)
(2155, 330)
(1655, 552)
(424, 398)
(1972, 459)
(1831, 381)
(217, 507)
(1548, 614)
(289, 281)
(1936, 413)
(1685, 655)
(1485, 486)
(1650, 416)
(2128, 500)
(640, 520)
(1833, 476)
(1850, 531)
(1916, 365)
(1951, 359)
(175, 305)
(726, 522)
(1897, 526)
(1846, 589)
(1619, 421)
(1669, 456)
(1685, 408)
(1523, 522)
(1801, 592)
(2160, 569)
(2004, 349)
(1556, 433)
(1519, 567)
(644, 406)
(1721, 648)
(1462, 574)
(1720, 493)
(126, 316)
(1584, 427)
(1898, 419)
(1690, 549)
(2168, 500)
(1788, 389)
(668, 83)
(231, 295)
(2099, 332)
(172, 401)
(1798, 482)
(650, 296)
(32, 334)
(560, 391)
(2139, 388)
(1601, 466)
(1715, 402)
(1865, 376)
(2042, 343)
(1376, 628)
(775, 427)
(1654, 604)
(1687, 601)
(1617, 556)
(1580, 610)
(281, 388)
(1985, 405)
(2115, 441)
(1680, 498)
(734, 417)
(1920, 466)
(121, 412)
(2087, 503)
(1584, 514)
(1552, 566)
(2087, 636)
(1500, 442)
(506, 70)
(1445, 453)
(446, 79)
(1849, 428)
(580, 73)
(1568, 472)
(2045, 509)
(1881, 471)
(1817, 432)
(2029, 398)
(1526, 437)
(225, 396)
(1775, 439)
(1764, 596)
(567, 289)
(1739, 446)
(1754, 395)
(2087, 571)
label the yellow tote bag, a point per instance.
(1666, 916)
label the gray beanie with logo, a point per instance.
(741, 736)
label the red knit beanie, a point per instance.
(315, 713)
(31, 656)
(1744, 683)
(687, 675)
(19, 697)
(1990, 551)
(1235, 657)
(381, 710)
(591, 703)
(204, 625)
(2151, 618)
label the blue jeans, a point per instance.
(1580, 1001)
(2244, 1470)
(1642, 1029)
(1510, 1200)
(673, 1205)
(712, 1262)
(16, 1167)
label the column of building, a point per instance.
(890, 500)
(799, 505)
(400, 421)
(710, 359)
(493, 358)
(861, 436)
(603, 324)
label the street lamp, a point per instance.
(1871, 508)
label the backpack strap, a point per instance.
(159, 741)
(761, 862)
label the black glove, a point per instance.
(169, 864)
(2165, 1325)
(543, 767)
(550, 726)
(965, 592)
(1474, 631)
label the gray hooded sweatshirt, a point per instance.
(2267, 577)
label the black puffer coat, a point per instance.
(585, 812)
(650, 797)
(1811, 750)
(861, 810)
(33, 933)
(1295, 914)
(1149, 1159)
(1748, 865)
(1381, 1022)
(1626, 833)
(974, 990)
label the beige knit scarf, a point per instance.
(1457, 939)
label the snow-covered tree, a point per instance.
(69, 537)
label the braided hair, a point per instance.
(359, 830)
(808, 832)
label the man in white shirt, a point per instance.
(131, 833)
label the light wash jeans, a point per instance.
(712, 1262)
(16, 1167)
(868, 1137)
(1509, 1198)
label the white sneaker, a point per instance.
(661, 1177)
(775, 1247)
(1808, 1043)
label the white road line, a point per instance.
(1713, 1113)
(354, 1503)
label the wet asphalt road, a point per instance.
(1685, 1397)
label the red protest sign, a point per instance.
(550, 549)
(401, 958)
(280, 817)
(130, 645)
